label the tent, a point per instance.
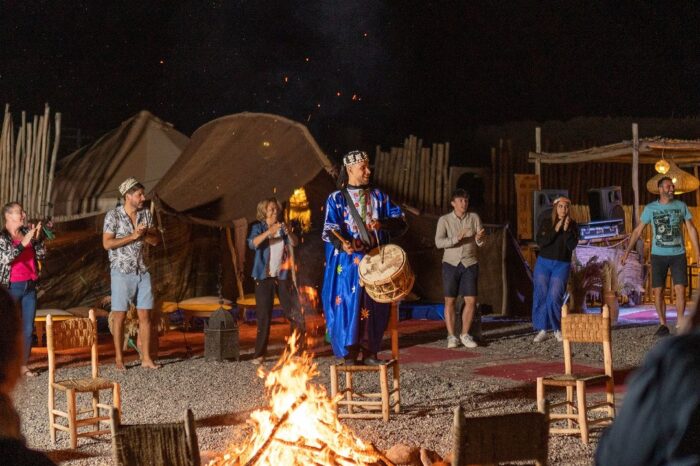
(232, 163)
(143, 146)
(235, 161)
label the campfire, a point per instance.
(299, 426)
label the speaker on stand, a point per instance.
(606, 204)
(542, 208)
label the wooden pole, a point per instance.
(395, 166)
(697, 191)
(402, 170)
(438, 176)
(27, 162)
(411, 170)
(3, 150)
(538, 149)
(446, 177)
(407, 170)
(635, 173)
(494, 178)
(378, 165)
(234, 258)
(21, 156)
(426, 177)
(431, 180)
(49, 189)
(42, 163)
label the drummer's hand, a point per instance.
(376, 225)
(480, 236)
(623, 259)
(347, 247)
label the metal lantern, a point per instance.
(221, 337)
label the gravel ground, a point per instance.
(222, 395)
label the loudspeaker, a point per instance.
(542, 208)
(606, 204)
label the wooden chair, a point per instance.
(581, 328)
(370, 403)
(171, 444)
(77, 333)
(503, 438)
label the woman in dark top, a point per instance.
(557, 240)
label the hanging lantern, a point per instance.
(299, 209)
(662, 166)
(683, 181)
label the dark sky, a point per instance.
(358, 73)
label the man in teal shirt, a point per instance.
(666, 217)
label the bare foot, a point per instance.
(150, 365)
(119, 365)
(26, 372)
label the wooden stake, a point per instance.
(234, 258)
(447, 181)
(378, 165)
(49, 189)
(438, 175)
(431, 181)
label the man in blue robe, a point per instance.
(354, 321)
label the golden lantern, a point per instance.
(662, 166)
(299, 209)
(683, 181)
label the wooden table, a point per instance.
(57, 315)
(191, 308)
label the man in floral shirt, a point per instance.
(126, 228)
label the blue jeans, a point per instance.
(550, 280)
(24, 294)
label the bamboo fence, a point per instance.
(28, 161)
(415, 175)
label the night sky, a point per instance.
(357, 73)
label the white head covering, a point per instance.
(127, 185)
(354, 156)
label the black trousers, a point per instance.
(264, 300)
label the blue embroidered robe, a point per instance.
(345, 302)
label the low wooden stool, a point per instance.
(370, 403)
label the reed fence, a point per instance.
(28, 160)
(415, 175)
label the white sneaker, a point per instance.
(541, 335)
(557, 335)
(452, 341)
(467, 341)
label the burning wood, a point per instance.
(299, 426)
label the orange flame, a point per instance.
(300, 425)
(308, 295)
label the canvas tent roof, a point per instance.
(143, 147)
(650, 150)
(233, 162)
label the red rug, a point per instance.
(427, 354)
(528, 371)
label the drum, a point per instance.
(386, 274)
